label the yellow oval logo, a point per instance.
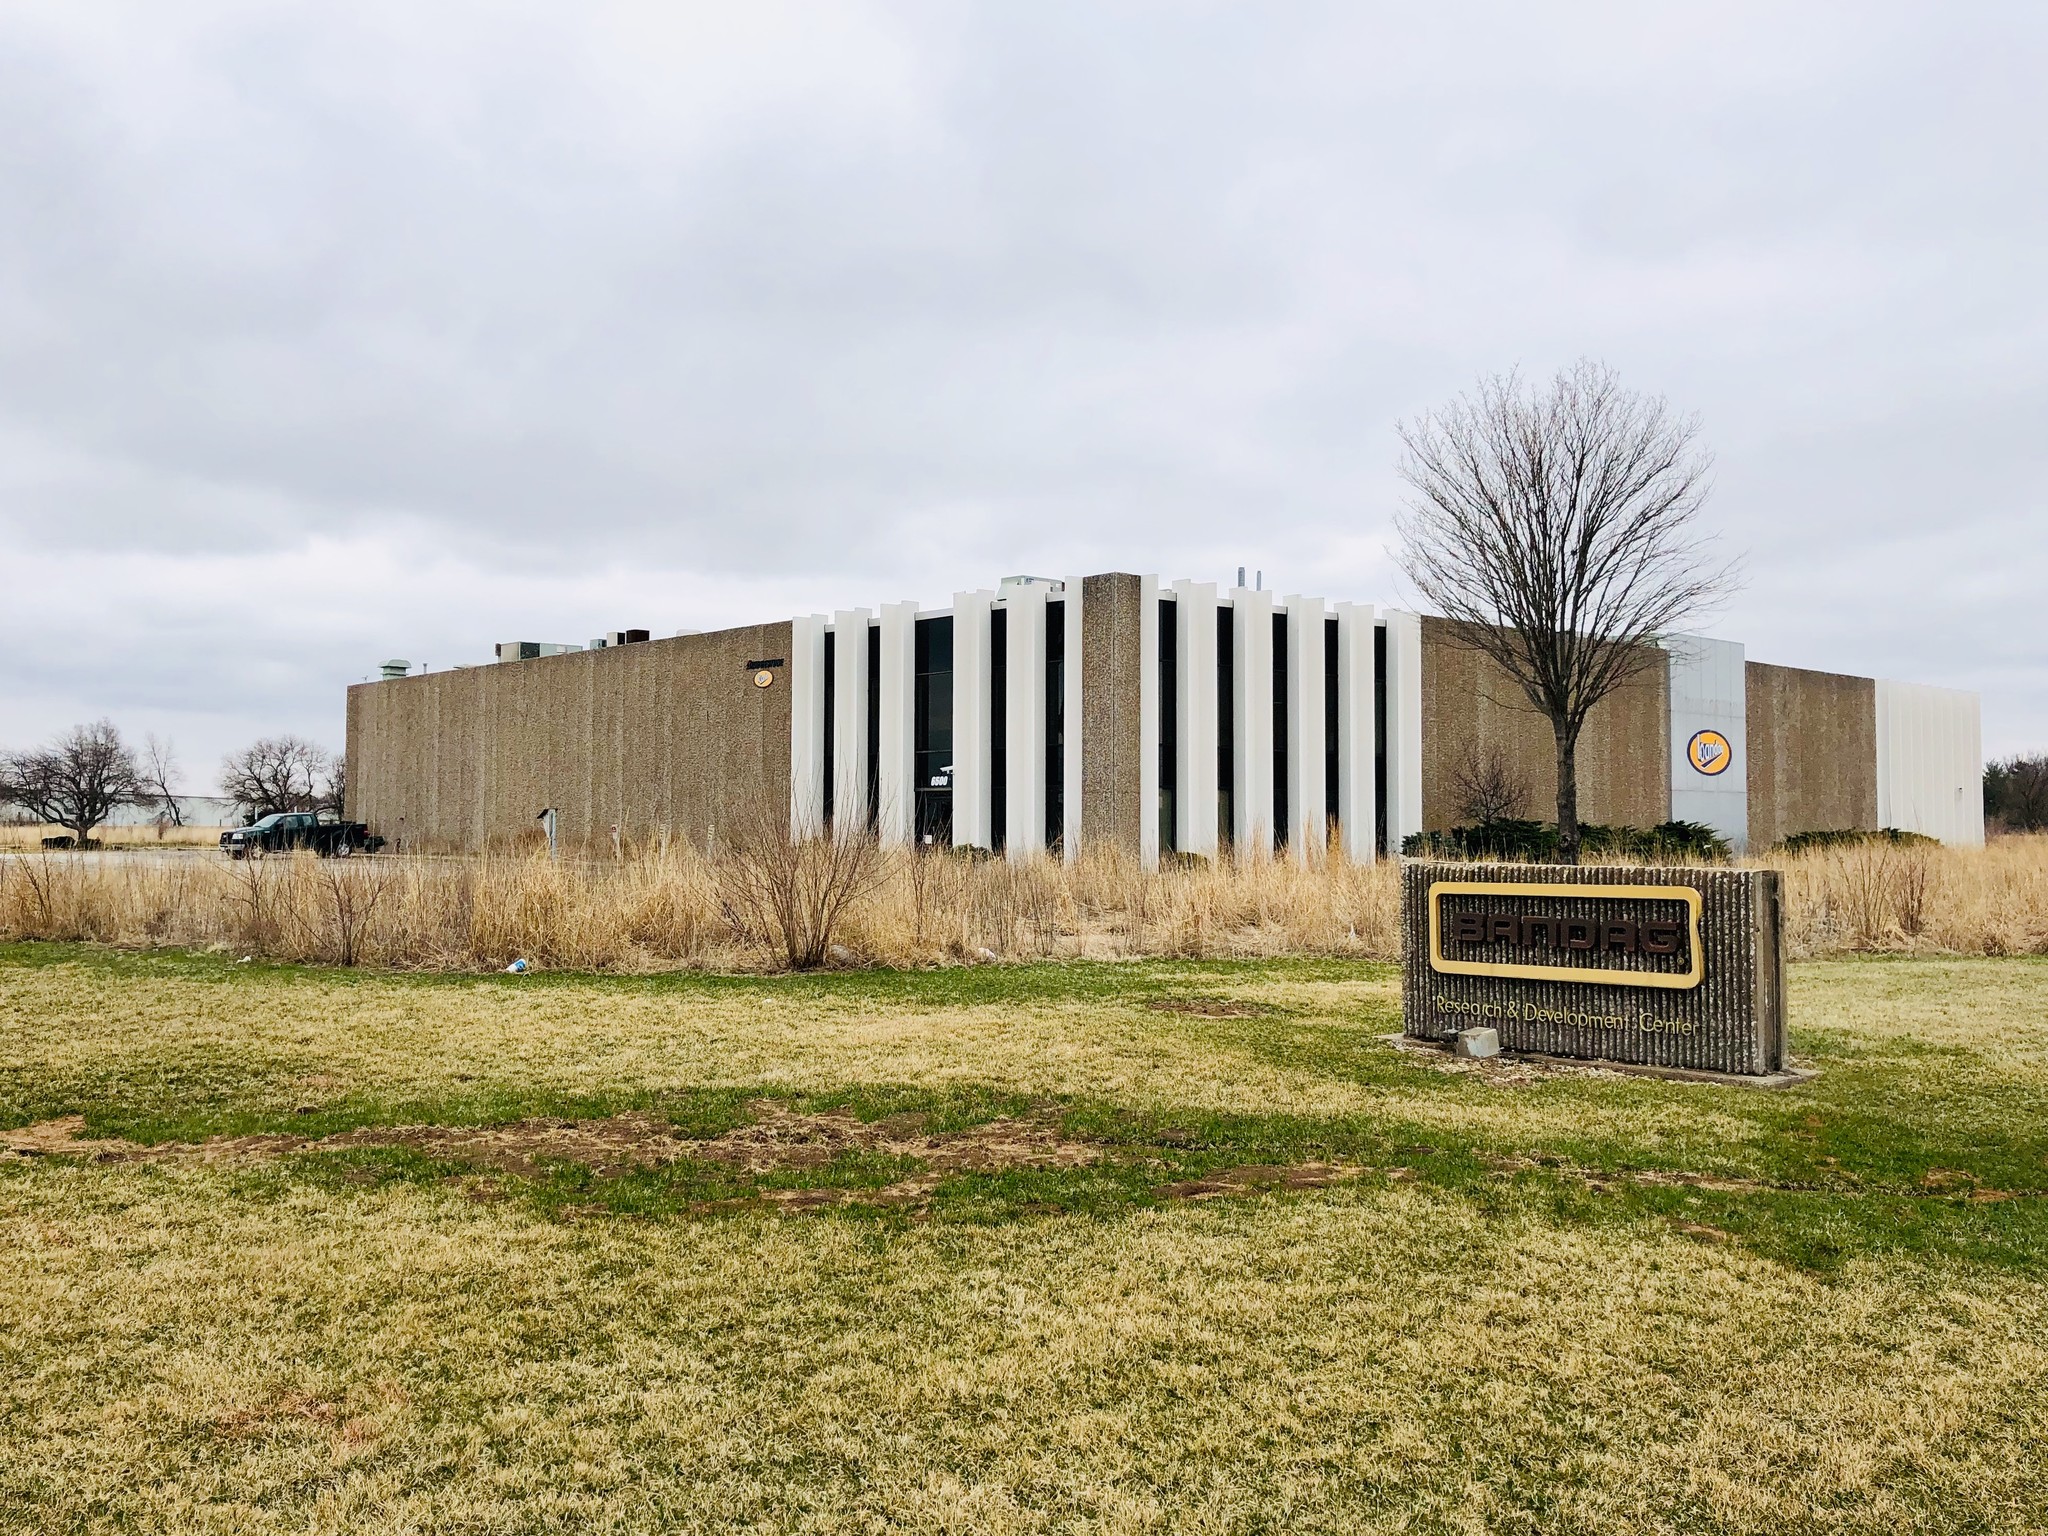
(1709, 752)
(764, 679)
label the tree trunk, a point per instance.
(1567, 793)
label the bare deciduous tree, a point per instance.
(352, 891)
(159, 767)
(334, 793)
(76, 782)
(2016, 792)
(791, 891)
(1557, 529)
(1486, 787)
(278, 773)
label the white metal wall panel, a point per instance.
(1251, 765)
(1709, 708)
(896, 771)
(1357, 817)
(1930, 762)
(807, 725)
(1404, 726)
(1195, 803)
(1024, 722)
(973, 782)
(850, 722)
(1307, 787)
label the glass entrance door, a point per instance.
(933, 731)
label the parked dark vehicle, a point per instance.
(291, 831)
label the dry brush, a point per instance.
(671, 907)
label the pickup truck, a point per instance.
(289, 831)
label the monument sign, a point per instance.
(1672, 968)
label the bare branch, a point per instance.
(1485, 786)
(790, 891)
(76, 782)
(159, 768)
(1557, 530)
(278, 773)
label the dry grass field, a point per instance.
(1119, 1247)
(667, 908)
(15, 837)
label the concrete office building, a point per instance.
(1167, 718)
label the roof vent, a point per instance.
(393, 670)
(528, 650)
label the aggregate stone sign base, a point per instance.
(1653, 966)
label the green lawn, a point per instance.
(1131, 1247)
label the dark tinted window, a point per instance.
(1169, 718)
(933, 730)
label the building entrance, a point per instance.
(933, 731)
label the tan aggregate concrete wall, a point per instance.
(1812, 752)
(1470, 705)
(666, 734)
(1112, 737)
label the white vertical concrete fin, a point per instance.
(807, 725)
(1930, 761)
(1709, 735)
(1251, 789)
(1307, 786)
(973, 691)
(1024, 722)
(850, 722)
(1195, 802)
(1070, 687)
(1357, 793)
(1404, 726)
(896, 772)
(1148, 722)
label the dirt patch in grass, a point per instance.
(1505, 1071)
(282, 1407)
(66, 1135)
(777, 1140)
(1700, 1231)
(1208, 1007)
(1257, 1179)
(607, 1147)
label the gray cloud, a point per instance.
(333, 333)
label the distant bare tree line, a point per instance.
(2016, 792)
(83, 776)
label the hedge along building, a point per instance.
(1164, 719)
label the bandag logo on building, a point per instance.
(1709, 752)
(1634, 938)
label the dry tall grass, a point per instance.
(16, 836)
(656, 909)
(663, 909)
(1931, 899)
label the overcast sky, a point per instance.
(332, 333)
